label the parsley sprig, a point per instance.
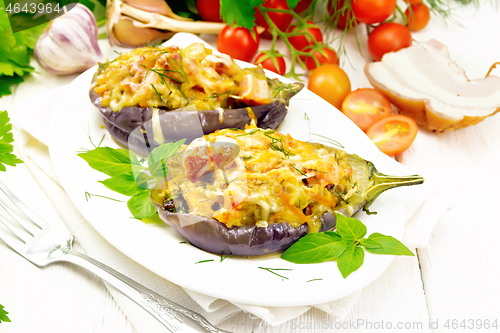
(3, 315)
(6, 139)
(347, 246)
(129, 177)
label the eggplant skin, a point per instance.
(213, 236)
(177, 125)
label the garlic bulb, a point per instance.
(69, 43)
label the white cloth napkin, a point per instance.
(422, 211)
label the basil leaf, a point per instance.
(240, 13)
(349, 228)
(352, 259)
(123, 184)
(156, 159)
(141, 206)
(333, 234)
(389, 245)
(113, 162)
(314, 248)
(369, 244)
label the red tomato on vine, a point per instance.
(305, 39)
(209, 10)
(302, 6)
(373, 11)
(329, 57)
(417, 16)
(388, 37)
(268, 63)
(281, 20)
(343, 16)
(238, 43)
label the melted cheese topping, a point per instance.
(274, 179)
(171, 78)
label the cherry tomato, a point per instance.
(282, 20)
(417, 16)
(300, 42)
(209, 10)
(345, 16)
(238, 43)
(393, 134)
(388, 37)
(372, 11)
(366, 106)
(330, 82)
(268, 63)
(330, 58)
(302, 6)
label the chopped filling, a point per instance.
(172, 78)
(272, 179)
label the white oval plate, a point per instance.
(158, 247)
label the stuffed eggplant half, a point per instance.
(256, 191)
(170, 94)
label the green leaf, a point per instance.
(7, 81)
(123, 184)
(352, 259)
(3, 315)
(156, 159)
(389, 245)
(349, 228)
(113, 162)
(6, 138)
(292, 3)
(334, 234)
(141, 206)
(239, 13)
(369, 244)
(314, 248)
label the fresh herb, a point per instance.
(203, 261)
(252, 169)
(156, 91)
(314, 280)
(3, 315)
(229, 182)
(347, 246)
(6, 139)
(249, 133)
(129, 177)
(15, 51)
(303, 174)
(246, 158)
(182, 242)
(338, 144)
(222, 258)
(272, 270)
(278, 145)
(90, 195)
(227, 93)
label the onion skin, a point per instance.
(177, 125)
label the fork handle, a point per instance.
(173, 316)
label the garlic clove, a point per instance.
(126, 33)
(145, 26)
(155, 6)
(69, 43)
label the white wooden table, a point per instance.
(454, 282)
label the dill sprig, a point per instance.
(90, 195)
(250, 133)
(227, 93)
(272, 270)
(202, 261)
(303, 174)
(278, 145)
(161, 99)
(338, 144)
(252, 169)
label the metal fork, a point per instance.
(42, 244)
